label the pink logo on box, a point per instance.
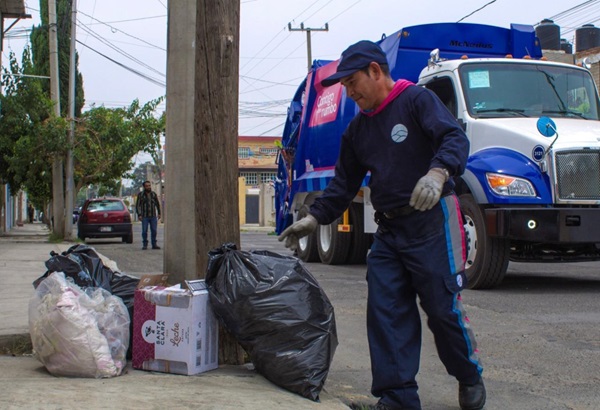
(144, 329)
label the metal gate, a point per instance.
(252, 209)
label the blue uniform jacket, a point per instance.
(413, 133)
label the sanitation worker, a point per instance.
(413, 147)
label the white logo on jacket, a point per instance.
(399, 133)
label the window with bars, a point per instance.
(243, 152)
(251, 178)
(267, 177)
(268, 151)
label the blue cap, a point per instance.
(355, 58)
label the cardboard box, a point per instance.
(174, 329)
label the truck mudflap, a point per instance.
(547, 225)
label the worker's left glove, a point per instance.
(297, 230)
(428, 189)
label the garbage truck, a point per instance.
(531, 189)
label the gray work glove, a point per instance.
(297, 230)
(428, 189)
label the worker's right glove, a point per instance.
(428, 190)
(297, 230)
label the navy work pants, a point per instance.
(421, 254)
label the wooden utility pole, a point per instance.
(58, 193)
(308, 40)
(216, 135)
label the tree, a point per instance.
(108, 138)
(41, 60)
(140, 174)
(28, 134)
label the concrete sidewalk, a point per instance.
(26, 383)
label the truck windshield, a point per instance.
(502, 90)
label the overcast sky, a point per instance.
(273, 60)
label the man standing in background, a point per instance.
(147, 207)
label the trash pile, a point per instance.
(76, 332)
(79, 315)
(87, 320)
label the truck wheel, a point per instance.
(307, 246)
(487, 257)
(333, 246)
(360, 241)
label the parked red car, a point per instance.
(105, 218)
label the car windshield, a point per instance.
(503, 90)
(105, 206)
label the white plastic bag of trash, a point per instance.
(78, 333)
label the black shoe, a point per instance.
(156, 247)
(144, 248)
(471, 396)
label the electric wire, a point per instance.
(117, 49)
(114, 29)
(475, 11)
(136, 72)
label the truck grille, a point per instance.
(578, 174)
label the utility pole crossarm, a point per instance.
(308, 42)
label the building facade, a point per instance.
(257, 163)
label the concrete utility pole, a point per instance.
(69, 194)
(308, 42)
(202, 131)
(58, 192)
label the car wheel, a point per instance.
(128, 238)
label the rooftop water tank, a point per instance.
(586, 37)
(549, 35)
(566, 46)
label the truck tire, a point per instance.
(487, 257)
(360, 241)
(307, 246)
(333, 246)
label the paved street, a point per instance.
(539, 332)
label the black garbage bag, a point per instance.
(278, 313)
(80, 263)
(84, 266)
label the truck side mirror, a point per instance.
(546, 126)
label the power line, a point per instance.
(117, 49)
(128, 20)
(138, 73)
(475, 11)
(114, 29)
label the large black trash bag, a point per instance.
(278, 313)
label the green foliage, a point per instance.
(140, 174)
(26, 127)
(31, 137)
(41, 60)
(108, 138)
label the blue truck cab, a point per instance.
(527, 194)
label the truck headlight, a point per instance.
(507, 185)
